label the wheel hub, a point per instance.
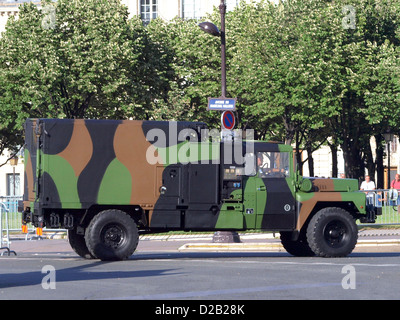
(113, 236)
(335, 233)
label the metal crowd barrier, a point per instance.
(10, 203)
(4, 231)
(14, 223)
(389, 201)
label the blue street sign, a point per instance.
(221, 104)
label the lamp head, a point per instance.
(209, 28)
(388, 136)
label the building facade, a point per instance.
(145, 9)
(7, 9)
(167, 10)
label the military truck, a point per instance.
(107, 181)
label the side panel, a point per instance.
(166, 213)
(188, 197)
(76, 155)
(98, 162)
(203, 186)
(203, 183)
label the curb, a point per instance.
(32, 236)
(383, 233)
(232, 247)
(378, 242)
(249, 236)
(277, 247)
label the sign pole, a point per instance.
(228, 116)
(222, 10)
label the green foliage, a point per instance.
(301, 70)
(193, 69)
(88, 61)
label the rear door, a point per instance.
(171, 191)
(30, 155)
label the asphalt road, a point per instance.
(158, 271)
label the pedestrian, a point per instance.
(368, 184)
(393, 194)
(262, 165)
(396, 182)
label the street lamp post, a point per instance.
(222, 10)
(221, 236)
(14, 163)
(213, 30)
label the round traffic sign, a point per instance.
(228, 120)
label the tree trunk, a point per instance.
(369, 160)
(334, 152)
(310, 162)
(379, 162)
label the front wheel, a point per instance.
(332, 232)
(299, 247)
(112, 235)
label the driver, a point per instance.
(262, 166)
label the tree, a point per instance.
(77, 59)
(279, 67)
(366, 52)
(193, 71)
(298, 72)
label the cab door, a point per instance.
(274, 193)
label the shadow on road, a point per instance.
(77, 273)
(225, 255)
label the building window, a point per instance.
(13, 188)
(393, 145)
(231, 4)
(191, 9)
(148, 10)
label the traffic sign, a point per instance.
(228, 120)
(221, 104)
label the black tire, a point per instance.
(78, 244)
(332, 232)
(112, 235)
(298, 248)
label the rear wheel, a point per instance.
(112, 235)
(78, 244)
(332, 232)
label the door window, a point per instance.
(13, 184)
(273, 164)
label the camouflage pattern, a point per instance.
(80, 167)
